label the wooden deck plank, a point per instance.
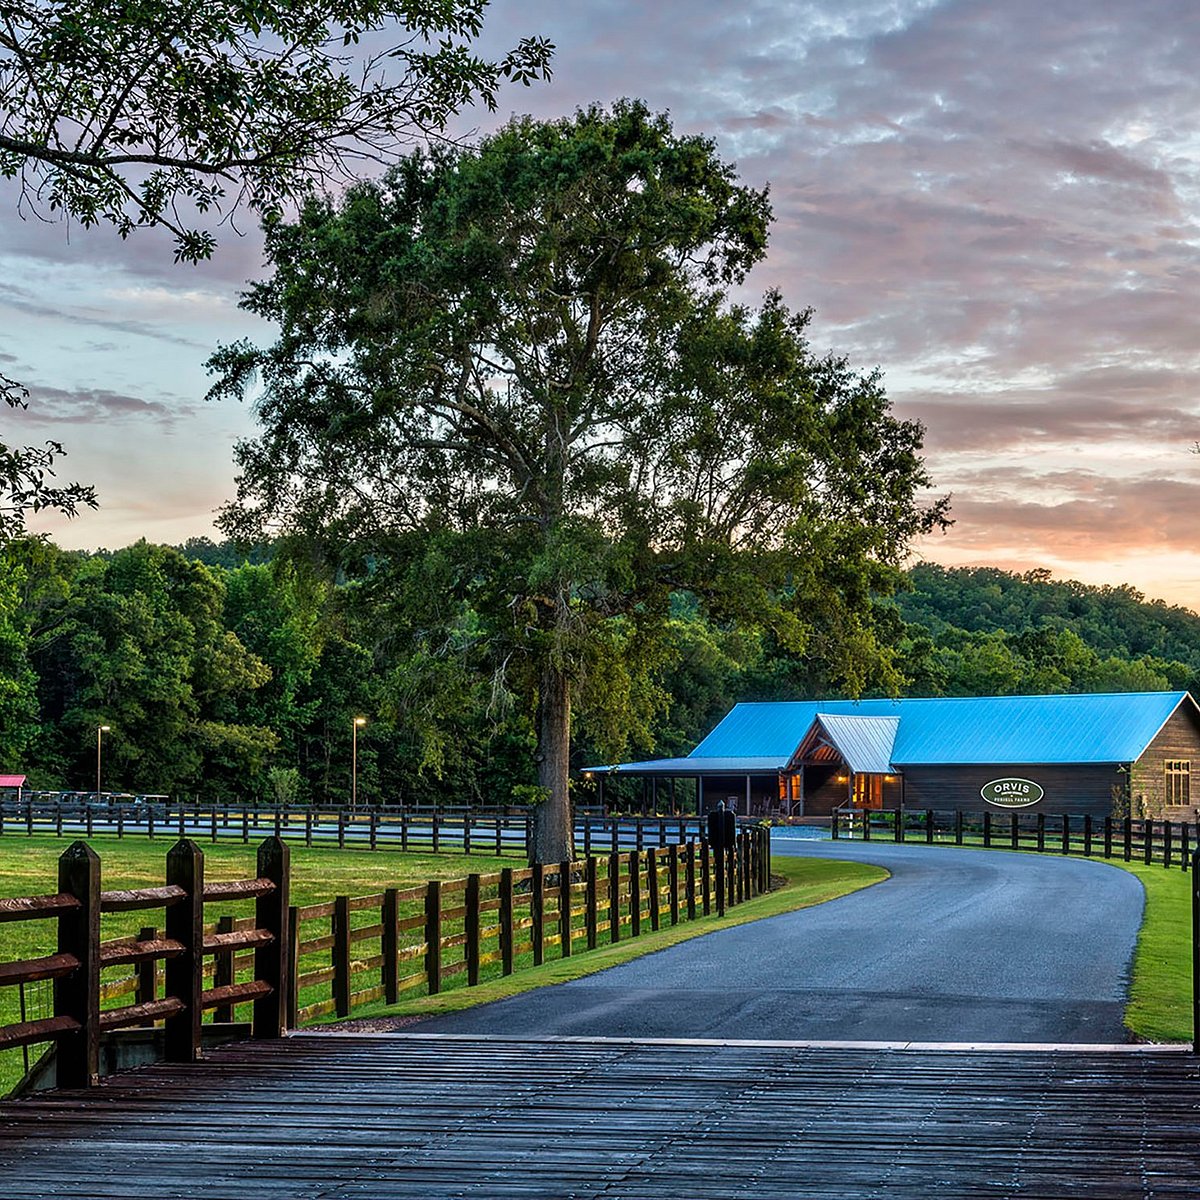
(394, 1118)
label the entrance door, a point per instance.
(868, 791)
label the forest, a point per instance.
(237, 675)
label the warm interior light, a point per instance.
(105, 728)
(360, 720)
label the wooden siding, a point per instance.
(823, 792)
(1069, 789)
(1179, 738)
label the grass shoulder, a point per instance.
(805, 882)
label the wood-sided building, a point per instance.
(1052, 754)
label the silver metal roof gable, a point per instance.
(864, 742)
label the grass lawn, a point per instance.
(1160, 996)
(805, 882)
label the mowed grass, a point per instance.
(1160, 994)
(800, 883)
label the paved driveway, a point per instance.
(957, 946)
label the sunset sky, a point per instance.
(995, 201)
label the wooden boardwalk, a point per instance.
(375, 1118)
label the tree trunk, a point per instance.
(554, 818)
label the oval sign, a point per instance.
(1012, 793)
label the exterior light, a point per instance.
(358, 721)
(100, 731)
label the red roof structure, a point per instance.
(12, 781)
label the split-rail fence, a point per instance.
(287, 966)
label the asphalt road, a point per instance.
(957, 946)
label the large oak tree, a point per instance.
(513, 379)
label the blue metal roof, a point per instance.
(1114, 728)
(864, 742)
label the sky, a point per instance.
(996, 202)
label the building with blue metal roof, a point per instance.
(1066, 753)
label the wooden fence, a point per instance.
(1168, 843)
(78, 1019)
(296, 964)
(496, 832)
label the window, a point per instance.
(1179, 782)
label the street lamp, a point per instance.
(100, 730)
(354, 763)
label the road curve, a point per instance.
(957, 946)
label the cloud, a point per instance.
(24, 300)
(55, 407)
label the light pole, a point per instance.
(354, 763)
(100, 731)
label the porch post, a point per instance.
(699, 795)
(747, 795)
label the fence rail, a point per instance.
(1168, 843)
(495, 832)
(295, 964)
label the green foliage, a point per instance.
(982, 631)
(132, 113)
(27, 474)
(510, 381)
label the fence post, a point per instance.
(78, 995)
(987, 829)
(652, 886)
(1087, 835)
(499, 836)
(689, 878)
(897, 827)
(120, 822)
(616, 836)
(587, 837)
(1166, 844)
(1184, 847)
(341, 955)
(245, 824)
(1066, 833)
(537, 913)
(293, 989)
(732, 875)
(718, 863)
(673, 880)
(433, 936)
(389, 946)
(635, 893)
(308, 826)
(507, 933)
(341, 828)
(271, 961)
(1108, 830)
(590, 902)
(471, 930)
(374, 834)
(223, 972)
(834, 825)
(614, 895)
(1014, 834)
(1128, 837)
(436, 828)
(564, 909)
(1196, 953)
(88, 817)
(185, 972)
(1148, 841)
(958, 827)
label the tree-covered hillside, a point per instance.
(976, 630)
